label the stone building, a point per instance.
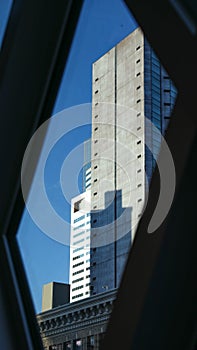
(80, 325)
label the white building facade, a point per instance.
(80, 247)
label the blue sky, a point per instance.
(5, 7)
(102, 25)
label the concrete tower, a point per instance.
(129, 89)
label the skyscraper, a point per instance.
(131, 93)
(80, 247)
(80, 234)
(87, 165)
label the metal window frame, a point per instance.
(155, 306)
(32, 58)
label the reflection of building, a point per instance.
(80, 247)
(128, 84)
(107, 261)
(80, 325)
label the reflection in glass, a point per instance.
(113, 68)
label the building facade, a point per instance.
(87, 166)
(55, 294)
(132, 99)
(80, 247)
(80, 234)
(78, 326)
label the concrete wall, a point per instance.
(117, 126)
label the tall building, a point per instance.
(87, 166)
(80, 247)
(80, 234)
(130, 88)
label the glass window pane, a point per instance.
(102, 101)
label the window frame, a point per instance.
(35, 46)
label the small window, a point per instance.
(139, 215)
(138, 100)
(138, 87)
(166, 77)
(96, 79)
(166, 104)
(94, 263)
(167, 118)
(138, 142)
(138, 61)
(94, 250)
(95, 193)
(94, 279)
(95, 167)
(166, 90)
(138, 114)
(95, 141)
(77, 206)
(96, 104)
(139, 200)
(96, 92)
(96, 116)
(138, 128)
(139, 185)
(95, 180)
(96, 154)
(95, 206)
(96, 129)
(94, 221)
(139, 170)
(139, 156)
(138, 74)
(137, 48)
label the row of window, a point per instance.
(78, 280)
(78, 264)
(77, 296)
(77, 242)
(77, 249)
(79, 218)
(80, 271)
(81, 286)
(77, 344)
(77, 227)
(78, 257)
(77, 288)
(79, 234)
(77, 272)
(88, 172)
